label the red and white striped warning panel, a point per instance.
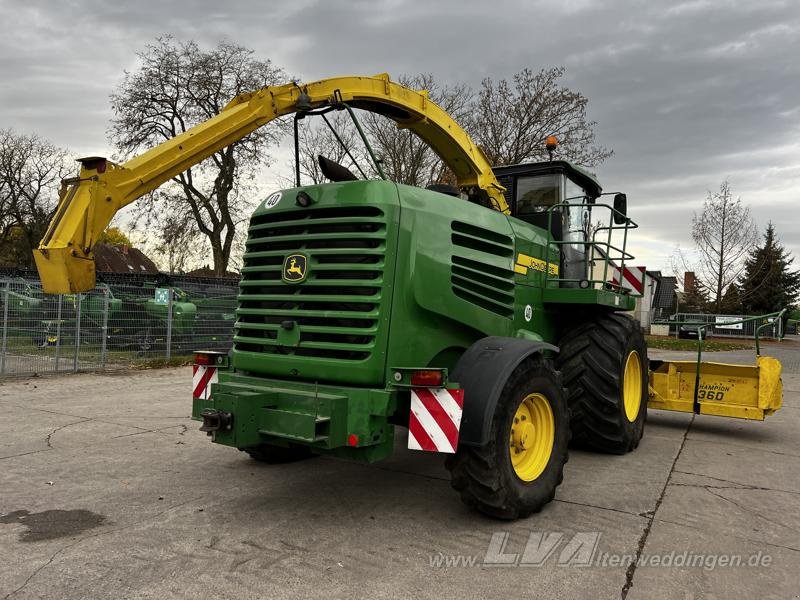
(435, 419)
(633, 280)
(202, 378)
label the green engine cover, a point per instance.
(372, 277)
(392, 275)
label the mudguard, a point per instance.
(482, 372)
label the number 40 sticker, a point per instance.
(272, 200)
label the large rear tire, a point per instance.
(605, 370)
(516, 473)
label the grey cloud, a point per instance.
(686, 93)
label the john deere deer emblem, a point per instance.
(294, 268)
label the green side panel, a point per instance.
(454, 281)
(532, 241)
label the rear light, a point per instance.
(204, 359)
(428, 378)
(211, 358)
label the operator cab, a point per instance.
(555, 196)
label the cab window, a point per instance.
(537, 194)
(575, 193)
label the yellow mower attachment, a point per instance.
(741, 391)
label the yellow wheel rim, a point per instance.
(632, 386)
(532, 435)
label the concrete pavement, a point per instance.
(107, 490)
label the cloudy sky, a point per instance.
(686, 93)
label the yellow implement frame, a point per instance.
(87, 203)
(709, 388)
(741, 391)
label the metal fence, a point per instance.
(115, 325)
(725, 326)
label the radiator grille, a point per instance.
(336, 308)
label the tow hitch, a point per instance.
(216, 420)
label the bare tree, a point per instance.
(316, 138)
(177, 244)
(176, 86)
(512, 120)
(509, 121)
(31, 170)
(405, 157)
(723, 233)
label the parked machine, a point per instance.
(23, 301)
(129, 320)
(473, 316)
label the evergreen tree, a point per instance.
(732, 301)
(769, 284)
(695, 298)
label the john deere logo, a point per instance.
(294, 268)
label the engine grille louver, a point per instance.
(479, 271)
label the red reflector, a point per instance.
(426, 378)
(203, 359)
(352, 440)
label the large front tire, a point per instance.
(605, 370)
(516, 473)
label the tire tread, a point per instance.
(475, 473)
(590, 361)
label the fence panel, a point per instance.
(113, 326)
(27, 315)
(721, 329)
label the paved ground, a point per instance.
(107, 490)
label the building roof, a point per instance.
(122, 259)
(665, 292)
(208, 272)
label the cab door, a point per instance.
(556, 203)
(577, 218)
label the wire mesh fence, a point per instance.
(135, 319)
(682, 325)
(115, 325)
